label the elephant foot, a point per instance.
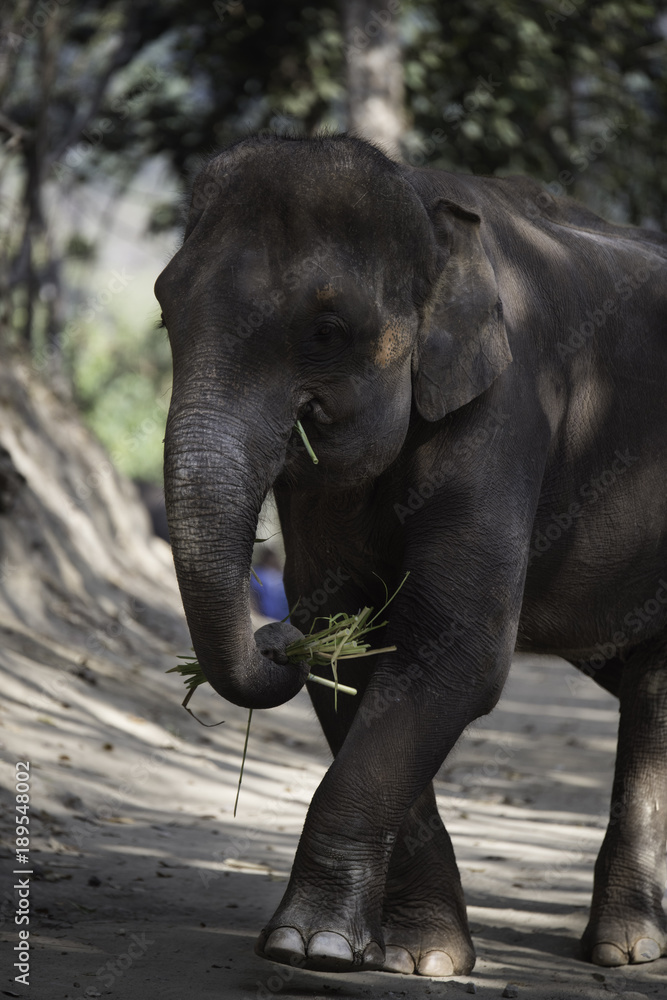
(426, 941)
(424, 920)
(613, 942)
(346, 920)
(430, 963)
(323, 951)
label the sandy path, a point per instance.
(147, 888)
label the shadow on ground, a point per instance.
(146, 887)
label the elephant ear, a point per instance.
(462, 343)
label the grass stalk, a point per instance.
(304, 438)
(245, 751)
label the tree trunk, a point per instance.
(376, 92)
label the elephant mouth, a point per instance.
(314, 412)
(306, 434)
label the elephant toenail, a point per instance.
(435, 963)
(329, 952)
(608, 954)
(285, 945)
(373, 959)
(397, 959)
(645, 950)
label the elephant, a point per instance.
(480, 368)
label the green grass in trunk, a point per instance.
(341, 639)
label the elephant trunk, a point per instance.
(214, 490)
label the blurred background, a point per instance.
(109, 109)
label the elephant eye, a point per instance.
(327, 338)
(326, 332)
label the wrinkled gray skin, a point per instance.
(481, 370)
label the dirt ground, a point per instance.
(145, 886)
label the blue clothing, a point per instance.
(271, 599)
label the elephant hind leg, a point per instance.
(627, 922)
(424, 915)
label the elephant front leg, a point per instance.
(424, 916)
(354, 887)
(352, 869)
(627, 922)
(330, 916)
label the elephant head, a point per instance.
(315, 282)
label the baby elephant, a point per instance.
(481, 370)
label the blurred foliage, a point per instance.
(572, 92)
(122, 386)
(525, 87)
(492, 87)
